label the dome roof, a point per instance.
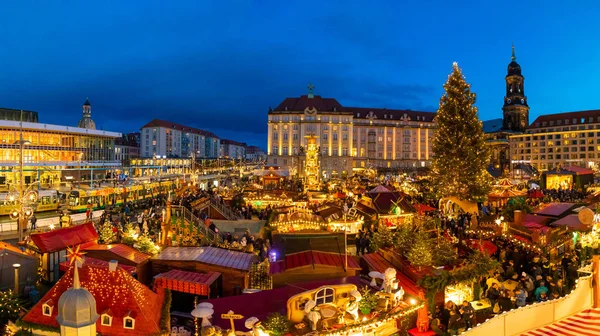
(87, 122)
(76, 308)
(514, 68)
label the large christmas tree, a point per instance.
(461, 154)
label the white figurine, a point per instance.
(399, 295)
(352, 305)
(390, 283)
(312, 315)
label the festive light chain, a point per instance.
(372, 323)
(534, 305)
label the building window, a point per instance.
(335, 136)
(47, 308)
(325, 295)
(106, 320)
(128, 322)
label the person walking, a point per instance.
(33, 222)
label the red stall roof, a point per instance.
(377, 263)
(122, 250)
(187, 282)
(64, 266)
(555, 209)
(307, 258)
(60, 239)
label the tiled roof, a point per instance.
(179, 127)
(318, 102)
(494, 125)
(57, 240)
(555, 209)
(117, 291)
(187, 282)
(209, 255)
(384, 113)
(307, 258)
(64, 266)
(570, 116)
(232, 142)
(122, 250)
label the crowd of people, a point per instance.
(524, 277)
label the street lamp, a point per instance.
(16, 267)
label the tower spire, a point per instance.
(76, 284)
(513, 57)
(311, 91)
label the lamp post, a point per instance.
(16, 267)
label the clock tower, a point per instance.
(515, 109)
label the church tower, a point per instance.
(86, 120)
(515, 109)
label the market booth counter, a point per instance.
(233, 265)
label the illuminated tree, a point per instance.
(107, 235)
(461, 154)
(9, 306)
(420, 253)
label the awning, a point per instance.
(58, 240)
(187, 282)
(422, 208)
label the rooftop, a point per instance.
(571, 118)
(60, 239)
(179, 127)
(122, 250)
(232, 142)
(208, 255)
(116, 291)
(34, 126)
(310, 258)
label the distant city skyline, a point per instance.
(220, 65)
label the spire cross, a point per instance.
(513, 57)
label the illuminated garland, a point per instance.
(372, 323)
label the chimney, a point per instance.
(112, 265)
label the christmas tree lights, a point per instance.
(461, 154)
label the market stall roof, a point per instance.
(122, 250)
(10, 247)
(555, 209)
(536, 193)
(532, 218)
(115, 290)
(209, 255)
(263, 303)
(60, 239)
(570, 170)
(64, 266)
(506, 193)
(536, 227)
(379, 189)
(378, 263)
(505, 183)
(421, 208)
(572, 222)
(308, 258)
(187, 282)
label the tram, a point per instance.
(78, 200)
(47, 200)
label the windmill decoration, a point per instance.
(75, 256)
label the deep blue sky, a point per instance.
(219, 65)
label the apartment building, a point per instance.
(232, 149)
(568, 139)
(161, 138)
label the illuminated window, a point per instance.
(106, 320)
(47, 308)
(128, 322)
(325, 295)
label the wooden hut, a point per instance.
(51, 246)
(234, 265)
(11, 255)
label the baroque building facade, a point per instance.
(349, 138)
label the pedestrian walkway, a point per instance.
(9, 230)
